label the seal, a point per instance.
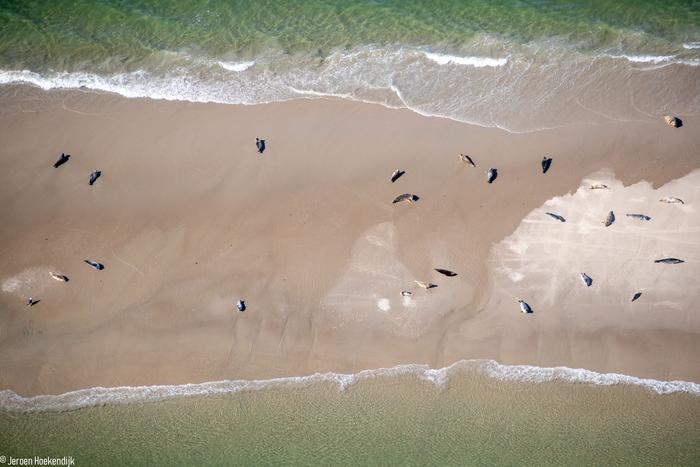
(598, 186)
(610, 219)
(669, 261)
(241, 305)
(524, 307)
(95, 264)
(546, 164)
(425, 285)
(59, 277)
(466, 158)
(670, 200)
(62, 159)
(556, 216)
(491, 175)
(639, 217)
(586, 279)
(94, 176)
(408, 197)
(636, 296)
(260, 144)
(446, 272)
(397, 174)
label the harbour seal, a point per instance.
(59, 277)
(397, 174)
(672, 121)
(241, 305)
(670, 200)
(636, 296)
(598, 186)
(491, 174)
(446, 272)
(62, 159)
(466, 158)
(524, 307)
(408, 197)
(260, 144)
(94, 176)
(425, 285)
(95, 264)
(669, 261)
(546, 164)
(640, 217)
(406, 293)
(586, 279)
(556, 216)
(609, 219)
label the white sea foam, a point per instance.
(478, 62)
(657, 59)
(236, 66)
(691, 45)
(99, 396)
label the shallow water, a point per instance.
(401, 420)
(519, 65)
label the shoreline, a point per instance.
(11, 402)
(188, 217)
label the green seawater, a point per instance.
(386, 421)
(72, 35)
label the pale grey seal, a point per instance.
(425, 285)
(609, 219)
(59, 277)
(669, 261)
(670, 200)
(598, 186)
(408, 197)
(466, 158)
(640, 217)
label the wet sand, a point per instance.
(187, 218)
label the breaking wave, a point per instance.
(477, 62)
(99, 396)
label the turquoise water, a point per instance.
(391, 420)
(564, 62)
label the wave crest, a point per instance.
(477, 62)
(99, 396)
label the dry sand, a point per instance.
(187, 218)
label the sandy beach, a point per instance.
(187, 218)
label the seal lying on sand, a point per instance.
(669, 261)
(636, 296)
(466, 158)
(556, 216)
(95, 264)
(586, 279)
(240, 305)
(94, 176)
(524, 307)
(59, 277)
(598, 186)
(671, 200)
(491, 175)
(546, 164)
(62, 159)
(425, 285)
(610, 219)
(640, 217)
(446, 272)
(408, 197)
(260, 144)
(397, 174)
(406, 293)
(672, 121)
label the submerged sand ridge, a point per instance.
(188, 218)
